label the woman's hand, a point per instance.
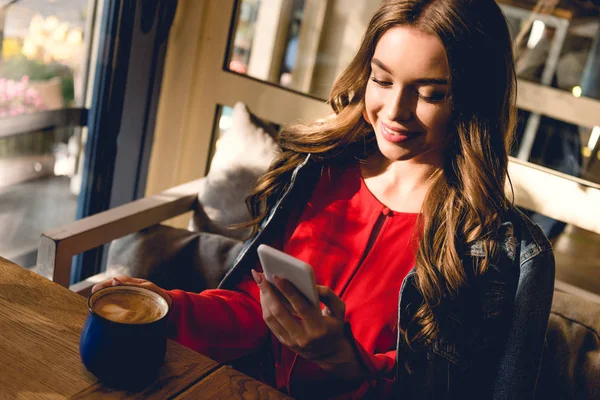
(128, 281)
(301, 326)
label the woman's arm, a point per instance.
(520, 362)
(221, 324)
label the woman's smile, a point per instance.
(397, 135)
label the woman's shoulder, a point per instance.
(519, 239)
(532, 240)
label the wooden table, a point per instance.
(40, 324)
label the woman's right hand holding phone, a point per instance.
(317, 335)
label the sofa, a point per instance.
(195, 259)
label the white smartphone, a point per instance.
(276, 262)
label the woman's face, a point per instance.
(407, 100)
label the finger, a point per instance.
(278, 330)
(286, 303)
(128, 279)
(335, 305)
(282, 323)
(274, 306)
(305, 309)
(102, 285)
(116, 281)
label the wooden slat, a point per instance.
(227, 383)
(58, 246)
(560, 196)
(558, 104)
(40, 325)
(234, 88)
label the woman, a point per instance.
(410, 171)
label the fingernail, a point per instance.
(116, 282)
(257, 277)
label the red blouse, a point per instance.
(359, 248)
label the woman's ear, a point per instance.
(366, 117)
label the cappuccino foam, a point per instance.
(129, 307)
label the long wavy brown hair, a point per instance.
(466, 200)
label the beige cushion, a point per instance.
(244, 152)
(571, 362)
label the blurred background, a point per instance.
(43, 67)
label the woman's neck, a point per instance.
(400, 185)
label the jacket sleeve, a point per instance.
(520, 362)
(221, 324)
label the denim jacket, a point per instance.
(491, 335)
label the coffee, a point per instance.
(130, 306)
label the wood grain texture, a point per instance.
(226, 383)
(40, 324)
(558, 104)
(182, 368)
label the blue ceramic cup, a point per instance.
(124, 338)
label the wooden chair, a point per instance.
(58, 246)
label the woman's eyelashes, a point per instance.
(380, 82)
(432, 97)
(435, 97)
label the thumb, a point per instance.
(335, 307)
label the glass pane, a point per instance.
(43, 67)
(557, 47)
(299, 44)
(561, 146)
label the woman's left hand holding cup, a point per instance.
(129, 281)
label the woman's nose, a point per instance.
(401, 107)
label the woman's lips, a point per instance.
(396, 135)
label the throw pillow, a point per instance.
(244, 152)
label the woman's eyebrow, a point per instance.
(380, 64)
(422, 81)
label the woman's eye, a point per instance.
(433, 97)
(381, 83)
